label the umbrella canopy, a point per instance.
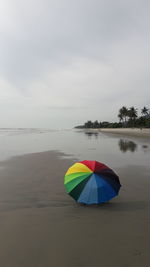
(91, 182)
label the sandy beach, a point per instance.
(128, 131)
(41, 226)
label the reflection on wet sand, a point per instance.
(145, 148)
(91, 134)
(126, 145)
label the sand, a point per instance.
(145, 133)
(41, 226)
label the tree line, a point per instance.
(128, 117)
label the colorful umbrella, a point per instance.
(91, 182)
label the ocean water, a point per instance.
(113, 150)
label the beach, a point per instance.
(67, 70)
(137, 132)
(40, 225)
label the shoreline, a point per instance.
(128, 131)
(137, 132)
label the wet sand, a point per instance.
(41, 226)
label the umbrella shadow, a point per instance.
(120, 206)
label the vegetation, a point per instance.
(128, 117)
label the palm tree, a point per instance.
(123, 113)
(95, 124)
(144, 111)
(89, 124)
(120, 117)
(132, 114)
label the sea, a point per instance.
(113, 150)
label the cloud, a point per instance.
(86, 57)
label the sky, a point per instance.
(63, 62)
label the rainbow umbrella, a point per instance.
(91, 182)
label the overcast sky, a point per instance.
(63, 62)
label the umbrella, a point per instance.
(91, 182)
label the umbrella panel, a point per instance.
(89, 194)
(76, 192)
(70, 185)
